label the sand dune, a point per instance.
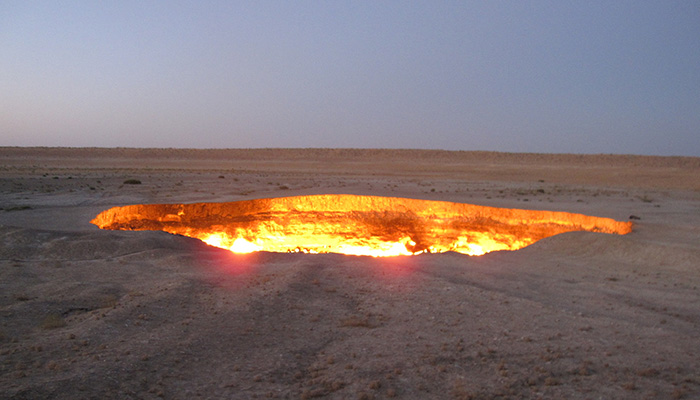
(87, 313)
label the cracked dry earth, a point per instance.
(86, 313)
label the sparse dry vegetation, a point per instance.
(356, 322)
(53, 321)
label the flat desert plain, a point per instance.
(91, 314)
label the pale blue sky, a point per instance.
(518, 76)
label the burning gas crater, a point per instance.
(354, 225)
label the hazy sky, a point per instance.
(520, 76)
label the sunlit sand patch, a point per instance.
(354, 225)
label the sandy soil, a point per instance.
(86, 313)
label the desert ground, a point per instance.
(91, 314)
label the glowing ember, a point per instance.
(355, 225)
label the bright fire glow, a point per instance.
(354, 225)
(237, 245)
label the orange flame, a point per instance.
(354, 225)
